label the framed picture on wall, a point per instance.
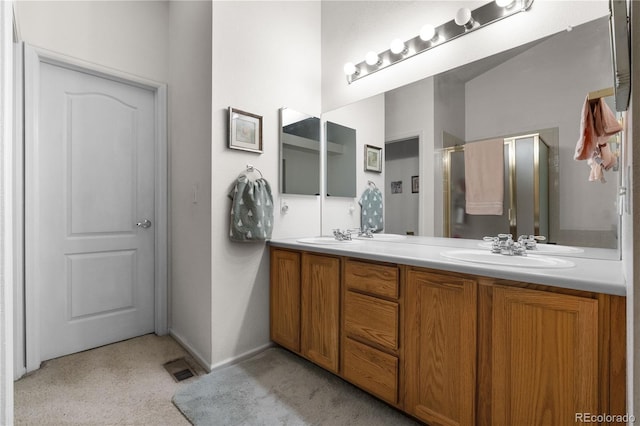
(245, 131)
(415, 182)
(372, 159)
(396, 187)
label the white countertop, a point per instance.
(596, 270)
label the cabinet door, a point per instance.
(285, 299)
(545, 357)
(440, 351)
(320, 309)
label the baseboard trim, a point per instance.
(194, 353)
(241, 357)
(19, 373)
(229, 361)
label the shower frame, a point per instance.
(512, 192)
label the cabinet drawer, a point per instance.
(372, 370)
(371, 319)
(381, 280)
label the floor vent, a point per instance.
(179, 369)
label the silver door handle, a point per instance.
(144, 224)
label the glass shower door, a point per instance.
(526, 192)
(461, 224)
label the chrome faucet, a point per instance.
(342, 235)
(366, 232)
(530, 241)
(347, 234)
(504, 244)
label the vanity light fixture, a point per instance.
(398, 47)
(505, 3)
(465, 21)
(428, 33)
(372, 58)
(350, 70)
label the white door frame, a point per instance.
(33, 57)
(6, 212)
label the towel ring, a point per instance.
(371, 183)
(250, 169)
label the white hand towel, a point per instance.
(484, 177)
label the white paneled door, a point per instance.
(92, 205)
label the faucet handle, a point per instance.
(495, 244)
(520, 248)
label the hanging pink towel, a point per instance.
(587, 143)
(484, 177)
(597, 124)
(605, 122)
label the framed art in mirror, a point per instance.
(372, 159)
(245, 131)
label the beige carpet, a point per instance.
(120, 384)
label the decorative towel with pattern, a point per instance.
(251, 210)
(371, 210)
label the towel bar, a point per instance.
(602, 93)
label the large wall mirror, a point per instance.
(538, 88)
(299, 153)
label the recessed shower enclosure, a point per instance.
(526, 192)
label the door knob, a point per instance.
(144, 224)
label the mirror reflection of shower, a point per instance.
(526, 192)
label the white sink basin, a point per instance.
(384, 237)
(324, 241)
(486, 257)
(544, 248)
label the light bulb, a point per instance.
(398, 46)
(427, 32)
(350, 69)
(504, 3)
(464, 18)
(372, 58)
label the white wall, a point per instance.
(352, 28)
(367, 117)
(409, 112)
(190, 145)
(129, 36)
(266, 55)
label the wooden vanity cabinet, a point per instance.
(320, 310)
(546, 354)
(371, 328)
(284, 298)
(440, 347)
(450, 348)
(305, 305)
